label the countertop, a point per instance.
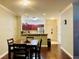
(34, 34)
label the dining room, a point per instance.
(43, 29)
(31, 32)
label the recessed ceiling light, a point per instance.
(25, 2)
(44, 14)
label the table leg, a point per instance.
(36, 52)
(9, 54)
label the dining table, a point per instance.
(31, 44)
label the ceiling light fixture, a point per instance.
(25, 2)
(44, 14)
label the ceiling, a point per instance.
(40, 8)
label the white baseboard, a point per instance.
(44, 46)
(67, 52)
(3, 54)
(52, 42)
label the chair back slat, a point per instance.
(10, 41)
(20, 50)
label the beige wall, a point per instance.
(7, 28)
(18, 27)
(67, 29)
(51, 26)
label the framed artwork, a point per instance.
(31, 23)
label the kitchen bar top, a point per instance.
(34, 34)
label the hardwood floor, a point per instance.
(54, 53)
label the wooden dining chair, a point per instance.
(20, 51)
(39, 49)
(10, 46)
(36, 50)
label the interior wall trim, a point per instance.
(71, 56)
(6, 9)
(66, 8)
(3, 54)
